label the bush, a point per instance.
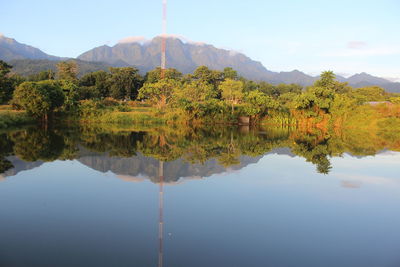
(39, 98)
(90, 108)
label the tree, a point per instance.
(71, 94)
(95, 84)
(316, 98)
(159, 93)
(6, 84)
(328, 80)
(204, 74)
(42, 76)
(39, 99)
(368, 94)
(125, 83)
(232, 91)
(155, 75)
(249, 85)
(321, 95)
(230, 73)
(257, 103)
(67, 70)
(196, 91)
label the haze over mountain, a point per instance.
(182, 55)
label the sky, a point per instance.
(347, 37)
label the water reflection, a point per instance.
(275, 211)
(187, 152)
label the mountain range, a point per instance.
(184, 56)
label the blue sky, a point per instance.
(345, 36)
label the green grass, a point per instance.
(130, 118)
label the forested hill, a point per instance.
(28, 67)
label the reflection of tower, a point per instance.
(161, 215)
(163, 39)
(161, 163)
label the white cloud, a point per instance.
(183, 39)
(133, 39)
(142, 39)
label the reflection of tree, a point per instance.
(6, 147)
(161, 145)
(230, 154)
(195, 145)
(33, 145)
(314, 150)
(122, 144)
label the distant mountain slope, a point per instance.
(292, 77)
(185, 57)
(12, 50)
(27, 67)
(366, 79)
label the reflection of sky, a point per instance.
(278, 212)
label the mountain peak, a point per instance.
(365, 79)
(10, 49)
(182, 54)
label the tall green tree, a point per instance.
(6, 83)
(94, 85)
(159, 93)
(232, 91)
(196, 91)
(207, 75)
(257, 104)
(230, 73)
(125, 83)
(328, 80)
(67, 70)
(155, 75)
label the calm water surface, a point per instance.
(229, 197)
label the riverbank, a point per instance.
(13, 118)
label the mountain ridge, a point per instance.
(183, 55)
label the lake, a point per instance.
(181, 196)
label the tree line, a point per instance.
(203, 93)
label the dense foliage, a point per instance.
(196, 145)
(204, 96)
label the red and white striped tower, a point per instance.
(164, 39)
(161, 163)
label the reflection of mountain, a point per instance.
(139, 167)
(20, 165)
(283, 151)
(146, 167)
